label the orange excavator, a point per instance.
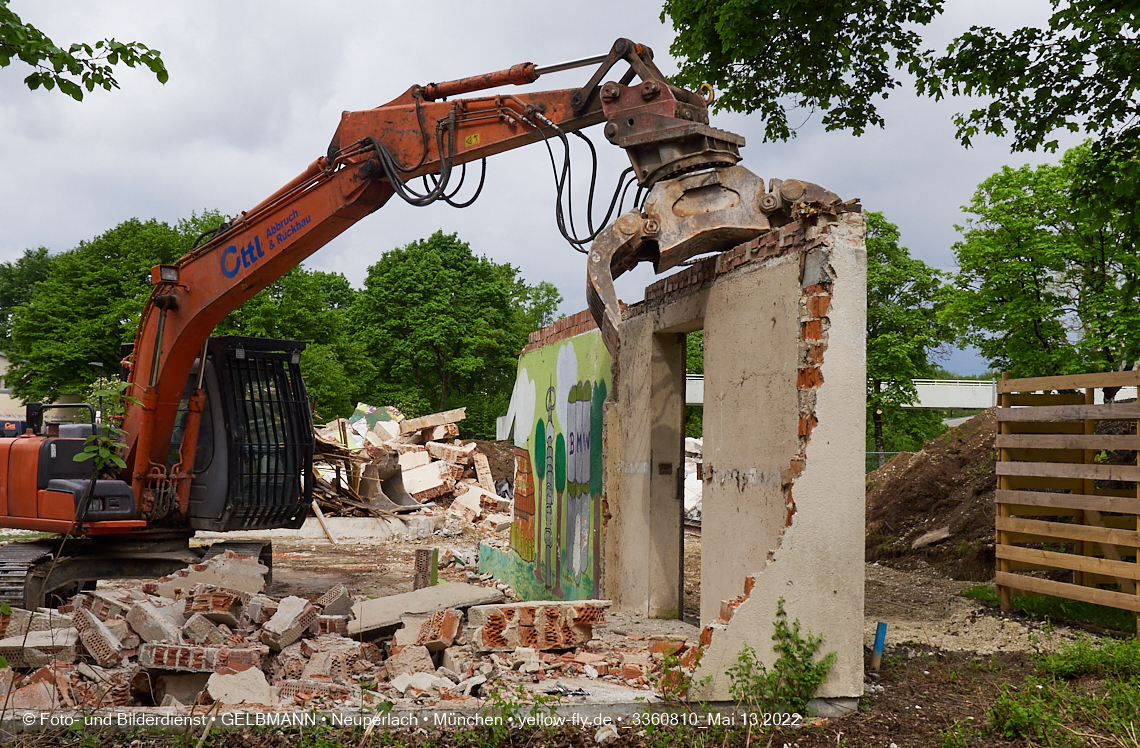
(219, 432)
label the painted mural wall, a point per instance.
(555, 538)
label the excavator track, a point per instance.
(16, 560)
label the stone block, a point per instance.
(245, 687)
(453, 453)
(293, 617)
(541, 625)
(413, 659)
(201, 630)
(336, 602)
(153, 624)
(412, 425)
(39, 648)
(220, 606)
(189, 658)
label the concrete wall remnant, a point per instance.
(564, 377)
(784, 320)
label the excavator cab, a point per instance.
(255, 443)
(253, 457)
(255, 446)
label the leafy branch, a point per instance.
(80, 66)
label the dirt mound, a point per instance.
(935, 507)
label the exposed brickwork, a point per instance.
(200, 659)
(567, 327)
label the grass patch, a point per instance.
(1087, 693)
(1047, 607)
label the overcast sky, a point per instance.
(256, 90)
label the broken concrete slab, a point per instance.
(293, 617)
(429, 481)
(411, 425)
(496, 522)
(421, 682)
(453, 453)
(197, 659)
(385, 612)
(39, 648)
(412, 460)
(247, 687)
(542, 625)
(413, 659)
(466, 506)
(154, 624)
(228, 570)
(439, 433)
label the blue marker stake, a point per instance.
(880, 640)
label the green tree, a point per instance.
(18, 283)
(80, 66)
(1046, 286)
(904, 300)
(443, 326)
(89, 304)
(1077, 73)
(772, 56)
(311, 306)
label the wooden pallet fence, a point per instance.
(1062, 507)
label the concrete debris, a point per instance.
(483, 472)
(154, 623)
(412, 425)
(201, 630)
(293, 617)
(387, 612)
(246, 687)
(541, 625)
(229, 571)
(459, 455)
(413, 659)
(694, 478)
(39, 648)
(97, 639)
(336, 602)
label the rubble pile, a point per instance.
(378, 462)
(210, 633)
